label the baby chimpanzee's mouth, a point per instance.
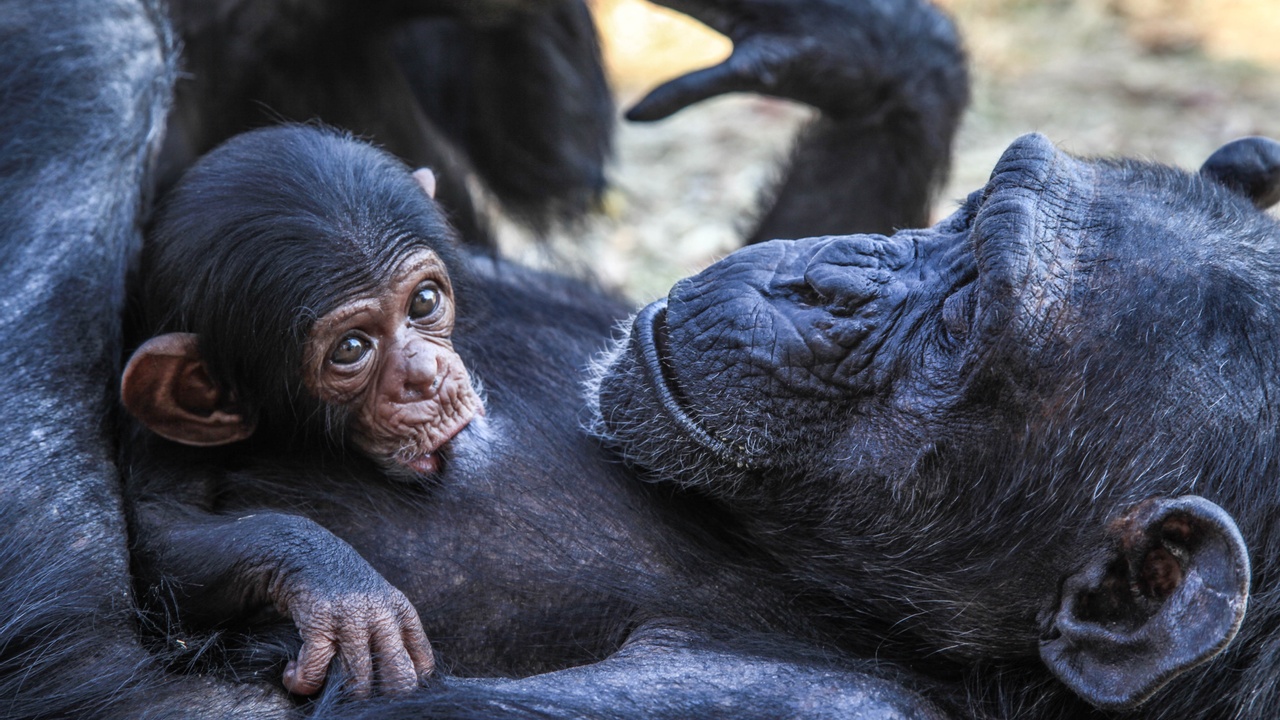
(427, 463)
(651, 338)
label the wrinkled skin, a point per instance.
(1081, 344)
(389, 357)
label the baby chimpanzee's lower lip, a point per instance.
(428, 463)
(651, 340)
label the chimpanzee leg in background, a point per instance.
(889, 79)
(513, 92)
(85, 85)
(526, 101)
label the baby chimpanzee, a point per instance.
(296, 293)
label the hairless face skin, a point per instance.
(388, 354)
(1038, 438)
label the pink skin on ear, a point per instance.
(166, 387)
(426, 180)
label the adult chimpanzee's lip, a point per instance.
(650, 336)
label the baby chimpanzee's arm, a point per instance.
(217, 568)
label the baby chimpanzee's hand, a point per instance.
(351, 613)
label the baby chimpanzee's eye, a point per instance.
(424, 302)
(349, 350)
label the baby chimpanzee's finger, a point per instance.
(305, 676)
(357, 659)
(416, 643)
(395, 670)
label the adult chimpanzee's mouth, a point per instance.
(651, 339)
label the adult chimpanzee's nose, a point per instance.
(849, 272)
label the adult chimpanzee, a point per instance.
(1108, 301)
(512, 91)
(1038, 440)
(295, 290)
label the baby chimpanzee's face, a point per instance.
(386, 356)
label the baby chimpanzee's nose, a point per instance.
(419, 371)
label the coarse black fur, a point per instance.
(83, 104)
(526, 101)
(510, 92)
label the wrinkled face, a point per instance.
(863, 356)
(858, 350)
(388, 359)
(753, 356)
(1076, 337)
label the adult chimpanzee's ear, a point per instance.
(1166, 593)
(1249, 166)
(166, 387)
(426, 180)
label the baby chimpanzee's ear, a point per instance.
(426, 180)
(1249, 166)
(166, 387)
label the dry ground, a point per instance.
(1164, 79)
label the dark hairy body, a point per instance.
(946, 377)
(1084, 352)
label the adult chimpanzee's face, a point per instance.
(872, 359)
(863, 353)
(1001, 424)
(387, 356)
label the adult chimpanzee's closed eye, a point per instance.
(310, 308)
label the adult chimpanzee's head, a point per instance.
(1001, 431)
(296, 283)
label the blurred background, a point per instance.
(1169, 80)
